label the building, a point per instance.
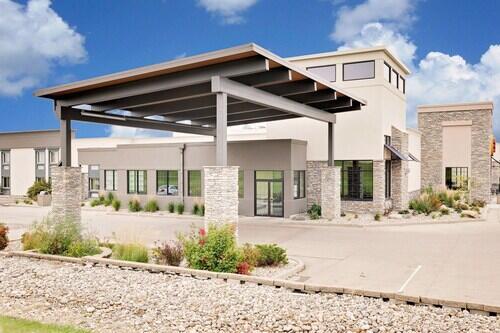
(457, 141)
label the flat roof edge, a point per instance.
(468, 106)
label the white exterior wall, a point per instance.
(22, 170)
(359, 134)
(414, 167)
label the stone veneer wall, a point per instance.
(378, 204)
(221, 194)
(85, 186)
(430, 125)
(66, 193)
(330, 192)
(399, 172)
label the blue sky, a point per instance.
(451, 46)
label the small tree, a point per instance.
(37, 187)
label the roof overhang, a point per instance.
(396, 154)
(180, 95)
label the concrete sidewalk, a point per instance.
(449, 261)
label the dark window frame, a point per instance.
(358, 62)
(278, 180)
(114, 172)
(397, 78)
(189, 192)
(5, 179)
(388, 179)
(169, 193)
(136, 180)
(390, 71)
(403, 80)
(323, 66)
(348, 196)
(449, 182)
(301, 181)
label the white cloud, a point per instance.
(127, 132)
(229, 10)
(436, 78)
(34, 38)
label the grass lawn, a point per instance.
(13, 325)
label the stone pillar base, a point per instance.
(330, 192)
(66, 193)
(221, 195)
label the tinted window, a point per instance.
(359, 70)
(394, 78)
(194, 183)
(326, 72)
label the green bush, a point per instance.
(478, 203)
(196, 209)
(130, 252)
(426, 203)
(116, 204)
(59, 238)
(28, 201)
(444, 211)
(151, 206)
(377, 217)
(214, 250)
(251, 255)
(38, 187)
(171, 207)
(4, 239)
(109, 199)
(82, 248)
(180, 208)
(314, 212)
(271, 255)
(95, 202)
(134, 205)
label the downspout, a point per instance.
(181, 149)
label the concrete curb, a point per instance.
(296, 286)
(292, 271)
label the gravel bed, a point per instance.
(114, 300)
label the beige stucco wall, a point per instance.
(456, 146)
(414, 167)
(22, 170)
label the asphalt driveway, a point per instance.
(450, 261)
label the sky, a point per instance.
(451, 46)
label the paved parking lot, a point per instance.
(451, 261)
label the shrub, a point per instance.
(28, 201)
(169, 253)
(251, 255)
(244, 268)
(151, 206)
(82, 248)
(214, 250)
(95, 202)
(116, 204)
(426, 203)
(4, 239)
(478, 203)
(271, 255)
(314, 212)
(109, 199)
(196, 209)
(202, 210)
(444, 211)
(38, 187)
(130, 252)
(171, 207)
(134, 205)
(180, 208)
(404, 212)
(377, 217)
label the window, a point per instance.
(94, 184)
(167, 182)
(194, 183)
(110, 180)
(328, 72)
(457, 178)
(299, 184)
(395, 78)
(387, 139)
(6, 182)
(40, 159)
(359, 70)
(356, 180)
(387, 72)
(5, 157)
(53, 157)
(402, 84)
(241, 184)
(137, 181)
(388, 179)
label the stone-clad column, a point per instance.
(330, 192)
(221, 195)
(399, 188)
(66, 193)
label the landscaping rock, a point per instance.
(120, 301)
(470, 213)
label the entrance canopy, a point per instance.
(202, 94)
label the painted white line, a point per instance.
(409, 279)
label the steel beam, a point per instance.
(261, 120)
(273, 76)
(168, 81)
(331, 143)
(65, 133)
(136, 122)
(292, 88)
(267, 99)
(221, 138)
(314, 97)
(342, 102)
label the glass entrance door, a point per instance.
(269, 193)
